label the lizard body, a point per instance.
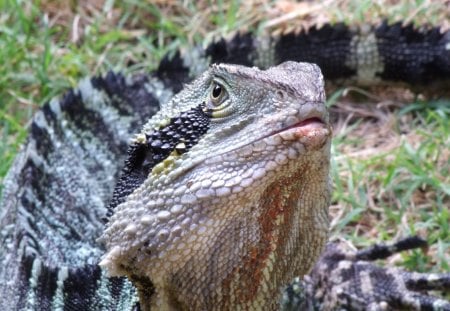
(58, 189)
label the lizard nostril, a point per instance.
(280, 95)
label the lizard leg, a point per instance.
(382, 251)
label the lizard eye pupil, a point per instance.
(216, 91)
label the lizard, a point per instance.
(257, 197)
(60, 270)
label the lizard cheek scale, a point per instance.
(247, 196)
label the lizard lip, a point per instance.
(313, 122)
(312, 132)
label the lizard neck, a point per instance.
(287, 219)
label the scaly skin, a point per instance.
(255, 187)
(57, 191)
(345, 279)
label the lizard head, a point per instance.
(221, 179)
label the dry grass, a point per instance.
(204, 19)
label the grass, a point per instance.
(391, 165)
(392, 180)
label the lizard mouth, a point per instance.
(313, 124)
(310, 123)
(312, 132)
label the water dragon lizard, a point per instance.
(224, 193)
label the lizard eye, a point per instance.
(218, 94)
(219, 104)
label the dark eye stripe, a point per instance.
(181, 134)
